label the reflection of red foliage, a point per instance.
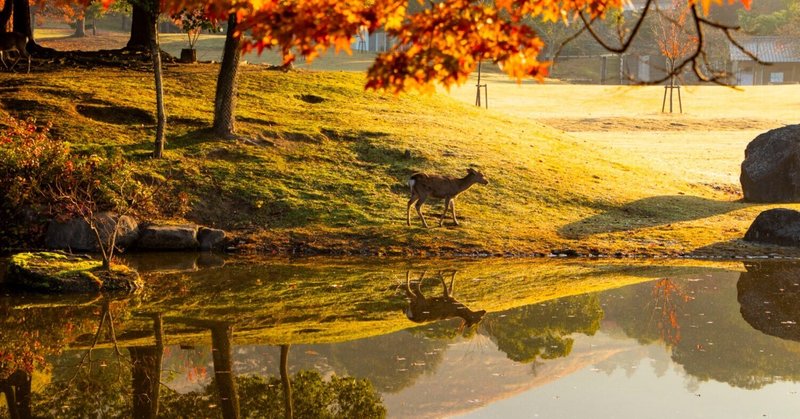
(669, 297)
(196, 374)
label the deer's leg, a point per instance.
(414, 197)
(419, 285)
(453, 206)
(445, 292)
(421, 201)
(447, 202)
(2, 59)
(409, 293)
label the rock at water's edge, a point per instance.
(75, 234)
(771, 166)
(168, 237)
(209, 238)
(779, 226)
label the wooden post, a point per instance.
(478, 89)
(603, 69)
(671, 86)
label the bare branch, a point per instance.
(627, 43)
(567, 41)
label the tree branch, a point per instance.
(624, 45)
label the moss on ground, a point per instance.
(52, 272)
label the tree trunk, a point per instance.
(161, 114)
(222, 356)
(5, 15)
(225, 98)
(287, 384)
(146, 373)
(22, 21)
(17, 389)
(142, 28)
(80, 28)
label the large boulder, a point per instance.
(771, 166)
(168, 237)
(75, 234)
(779, 226)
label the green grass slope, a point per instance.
(321, 165)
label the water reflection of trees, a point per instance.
(390, 362)
(125, 381)
(541, 331)
(303, 395)
(714, 343)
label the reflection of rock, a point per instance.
(771, 167)
(779, 226)
(75, 234)
(57, 272)
(769, 297)
(162, 261)
(168, 237)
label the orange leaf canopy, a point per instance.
(441, 43)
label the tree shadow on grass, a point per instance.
(648, 212)
(193, 134)
(377, 153)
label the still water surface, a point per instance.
(322, 338)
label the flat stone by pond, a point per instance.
(51, 272)
(561, 339)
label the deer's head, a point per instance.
(477, 176)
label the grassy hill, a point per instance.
(322, 166)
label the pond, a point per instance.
(217, 337)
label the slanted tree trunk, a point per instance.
(142, 28)
(80, 28)
(161, 114)
(225, 98)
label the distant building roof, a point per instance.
(771, 49)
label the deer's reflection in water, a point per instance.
(422, 309)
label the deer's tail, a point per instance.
(411, 183)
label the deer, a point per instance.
(14, 41)
(423, 309)
(424, 186)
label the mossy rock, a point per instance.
(53, 272)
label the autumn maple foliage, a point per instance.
(441, 42)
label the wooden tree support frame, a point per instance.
(671, 87)
(485, 87)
